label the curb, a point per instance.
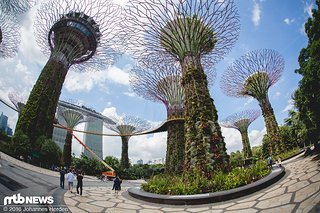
(214, 197)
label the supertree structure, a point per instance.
(14, 7)
(9, 36)
(241, 122)
(70, 118)
(193, 33)
(252, 75)
(161, 82)
(126, 126)
(17, 100)
(75, 34)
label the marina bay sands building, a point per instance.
(93, 141)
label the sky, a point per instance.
(270, 24)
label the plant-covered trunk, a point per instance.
(124, 162)
(272, 126)
(205, 148)
(175, 147)
(37, 116)
(246, 148)
(67, 150)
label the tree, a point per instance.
(21, 145)
(252, 75)
(71, 118)
(126, 126)
(50, 153)
(307, 96)
(241, 121)
(78, 35)
(194, 34)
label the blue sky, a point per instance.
(272, 24)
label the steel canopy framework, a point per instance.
(9, 36)
(252, 75)
(241, 122)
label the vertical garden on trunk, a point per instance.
(194, 34)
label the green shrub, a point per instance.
(195, 183)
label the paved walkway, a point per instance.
(297, 191)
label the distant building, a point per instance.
(3, 122)
(9, 131)
(59, 135)
(156, 161)
(140, 162)
(94, 142)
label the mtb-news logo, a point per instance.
(18, 199)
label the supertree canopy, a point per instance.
(14, 7)
(193, 33)
(252, 75)
(9, 36)
(71, 118)
(126, 126)
(241, 122)
(17, 100)
(76, 34)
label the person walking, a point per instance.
(62, 174)
(117, 185)
(70, 179)
(269, 161)
(80, 183)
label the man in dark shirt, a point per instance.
(80, 183)
(62, 173)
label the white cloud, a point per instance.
(288, 21)
(256, 14)
(130, 94)
(110, 112)
(29, 47)
(233, 138)
(256, 136)
(302, 30)
(249, 101)
(308, 8)
(86, 81)
(118, 76)
(289, 106)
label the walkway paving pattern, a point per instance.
(297, 191)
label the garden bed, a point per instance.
(213, 197)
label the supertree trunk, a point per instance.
(124, 162)
(271, 125)
(67, 150)
(246, 148)
(175, 147)
(37, 116)
(205, 148)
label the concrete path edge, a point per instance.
(270, 179)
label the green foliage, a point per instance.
(36, 118)
(288, 153)
(288, 139)
(236, 159)
(307, 97)
(142, 171)
(195, 183)
(88, 165)
(4, 136)
(175, 148)
(187, 36)
(50, 153)
(298, 128)
(205, 148)
(20, 144)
